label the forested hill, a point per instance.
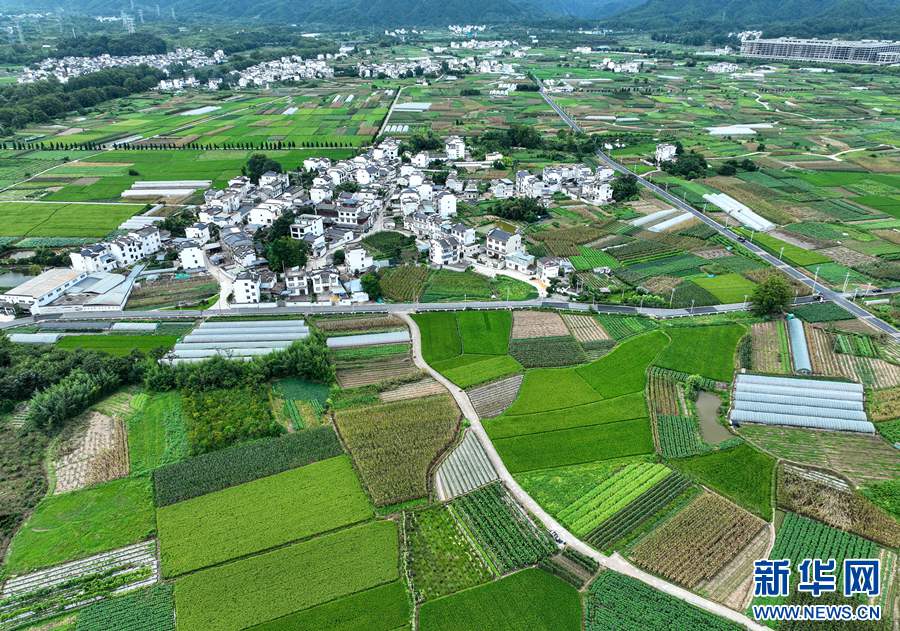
(877, 18)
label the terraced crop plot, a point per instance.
(506, 535)
(394, 444)
(863, 459)
(231, 523)
(354, 373)
(698, 542)
(417, 389)
(611, 496)
(439, 557)
(825, 359)
(616, 601)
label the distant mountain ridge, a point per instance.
(878, 17)
(774, 17)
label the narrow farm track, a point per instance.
(616, 561)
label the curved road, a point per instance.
(791, 271)
(616, 561)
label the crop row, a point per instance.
(404, 283)
(152, 608)
(679, 436)
(394, 444)
(801, 538)
(507, 535)
(229, 467)
(663, 394)
(614, 494)
(616, 601)
(860, 345)
(699, 541)
(540, 352)
(637, 512)
(680, 377)
(622, 327)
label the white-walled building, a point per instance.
(665, 152)
(246, 289)
(357, 260)
(190, 256)
(445, 201)
(198, 232)
(455, 147)
(500, 243)
(444, 251)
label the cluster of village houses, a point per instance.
(65, 68)
(343, 202)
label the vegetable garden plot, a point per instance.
(698, 542)
(530, 324)
(49, 592)
(543, 352)
(440, 560)
(800, 538)
(622, 327)
(404, 283)
(611, 496)
(616, 601)
(649, 503)
(507, 536)
(370, 371)
(733, 585)
(424, 388)
(770, 353)
(584, 328)
(394, 444)
(96, 453)
(152, 608)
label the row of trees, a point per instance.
(42, 101)
(94, 45)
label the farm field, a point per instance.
(382, 608)
(706, 351)
(232, 523)
(863, 459)
(440, 557)
(118, 344)
(530, 599)
(81, 523)
(614, 600)
(156, 432)
(335, 566)
(741, 473)
(393, 444)
(60, 219)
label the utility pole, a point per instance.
(671, 297)
(846, 280)
(781, 253)
(815, 280)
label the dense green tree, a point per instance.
(285, 252)
(624, 187)
(371, 285)
(258, 164)
(772, 296)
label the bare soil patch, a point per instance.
(528, 324)
(95, 453)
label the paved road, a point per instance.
(794, 273)
(545, 303)
(615, 562)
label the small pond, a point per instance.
(712, 431)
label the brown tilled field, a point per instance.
(367, 373)
(733, 585)
(425, 388)
(528, 324)
(95, 453)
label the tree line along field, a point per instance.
(412, 283)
